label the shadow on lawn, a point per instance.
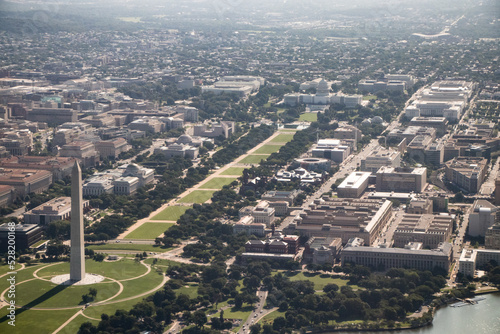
(52, 292)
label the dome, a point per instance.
(132, 169)
(366, 122)
(185, 139)
(323, 88)
(377, 120)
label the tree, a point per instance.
(99, 257)
(254, 329)
(93, 292)
(279, 323)
(87, 328)
(199, 318)
(57, 249)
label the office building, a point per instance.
(343, 218)
(60, 167)
(379, 158)
(85, 152)
(272, 196)
(441, 99)
(181, 150)
(112, 148)
(471, 259)
(26, 181)
(224, 129)
(332, 149)
(420, 259)
(6, 195)
(321, 250)
(497, 191)
(401, 179)
(492, 238)
(428, 229)
(247, 225)
(348, 132)
(482, 217)
(419, 206)
(467, 173)
(397, 134)
(25, 235)
(438, 123)
(56, 209)
(52, 116)
(416, 148)
(354, 185)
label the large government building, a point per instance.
(421, 259)
(343, 218)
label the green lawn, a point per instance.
(369, 97)
(149, 231)
(22, 275)
(75, 324)
(253, 159)
(268, 319)
(233, 313)
(268, 149)
(5, 268)
(32, 321)
(283, 138)
(238, 171)
(110, 309)
(191, 290)
(124, 246)
(319, 280)
(121, 269)
(308, 117)
(38, 293)
(197, 196)
(217, 183)
(140, 285)
(171, 213)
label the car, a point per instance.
(117, 241)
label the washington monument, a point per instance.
(77, 259)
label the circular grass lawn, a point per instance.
(118, 270)
(39, 293)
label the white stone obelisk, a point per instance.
(77, 259)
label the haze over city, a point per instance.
(230, 166)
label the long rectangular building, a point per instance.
(421, 259)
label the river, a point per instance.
(482, 318)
